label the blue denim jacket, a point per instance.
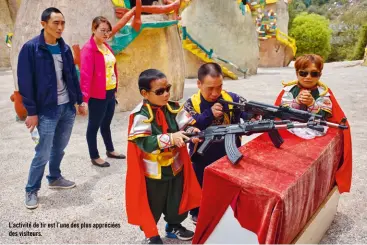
(37, 77)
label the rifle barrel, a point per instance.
(332, 125)
(291, 125)
(230, 102)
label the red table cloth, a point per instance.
(273, 192)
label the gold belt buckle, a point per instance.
(165, 158)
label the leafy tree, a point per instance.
(295, 8)
(361, 44)
(320, 2)
(313, 9)
(312, 34)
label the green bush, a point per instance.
(339, 52)
(312, 34)
(295, 8)
(320, 2)
(344, 41)
(361, 44)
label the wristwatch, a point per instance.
(82, 104)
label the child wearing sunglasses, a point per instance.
(160, 178)
(307, 92)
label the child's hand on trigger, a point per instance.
(196, 140)
(178, 138)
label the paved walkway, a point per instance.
(99, 195)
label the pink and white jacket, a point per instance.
(93, 71)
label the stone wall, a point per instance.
(13, 8)
(78, 16)
(153, 48)
(281, 9)
(272, 52)
(158, 48)
(6, 26)
(220, 25)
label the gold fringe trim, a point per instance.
(289, 83)
(138, 136)
(151, 116)
(172, 110)
(326, 110)
(323, 85)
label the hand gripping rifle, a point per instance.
(228, 133)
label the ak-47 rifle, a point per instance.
(282, 112)
(228, 133)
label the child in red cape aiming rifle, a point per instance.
(160, 178)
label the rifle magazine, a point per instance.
(233, 154)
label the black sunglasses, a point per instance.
(161, 91)
(312, 73)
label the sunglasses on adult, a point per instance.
(161, 91)
(312, 73)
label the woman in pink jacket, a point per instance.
(98, 80)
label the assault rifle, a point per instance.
(228, 133)
(282, 112)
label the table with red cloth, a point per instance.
(273, 192)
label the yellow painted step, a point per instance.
(191, 46)
(194, 49)
(227, 72)
(231, 75)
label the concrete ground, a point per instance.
(99, 195)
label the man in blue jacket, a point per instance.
(49, 87)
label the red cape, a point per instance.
(137, 205)
(344, 173)
(217, 201)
